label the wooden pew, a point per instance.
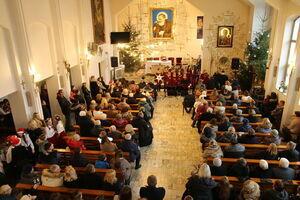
(66, 192)
(244, 115)
(81, 170)
(235, 124)
(230, 107)
(92, 143)
(133, 112)
(290, 188)
(65, 155)
(241, 133)
(77, 129)
(255, 162)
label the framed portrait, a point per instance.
(225, 36)
(98, 21)
(200, 27)
(161, 24)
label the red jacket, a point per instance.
(73, 144)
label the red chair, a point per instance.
(179, 61)
(156, 59)
(172, 60)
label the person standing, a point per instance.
(151, 192)
(65, 106)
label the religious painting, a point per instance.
(200, 27)
(98, 21)
(161, 26)
(225, 36)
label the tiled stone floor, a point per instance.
(174, 151)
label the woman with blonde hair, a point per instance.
(200, 185)
(71, 179)
(270, 154)
(111, 182)
(104, 103)
(250, 191)
(265, 127)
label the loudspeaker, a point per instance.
(235, 63)
(114, 61)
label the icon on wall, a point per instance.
(200, 27)
(161, 26)
(225, 36)
(98, 21)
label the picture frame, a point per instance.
(225, 36)
(161, 23)
(200, 27)
(98, 21)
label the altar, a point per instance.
(151, 63)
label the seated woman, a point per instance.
(219, 108)
(238, 116)
(236, 100)
(226, 94)
(207, 116)
(250, 190)
(270, 154)
(119, 122)
(246, 98)
(212, 150)
(265, 127)
(71, 179)
(212, 124)
(126, 114)
(200, 185)
(225, 124)
(228, 86)
(240, 169)
(249, 137)
(207, 135)
(214, 95)
(111, 182)
(107, 145)
(227, 136)
(252, 116)
(75, 142)
(234, 150)
(273, 138)
(262, 171)
(52, 177)
(234, 108)
(245, 126)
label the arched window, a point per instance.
(291, 60)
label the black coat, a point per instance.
(152, 193)
(86, 126)
(200, 188)
(249, 139)
(275, 195)
(72, 184)
(291, 155)
(283, 173)
(238, 170)
(91, 181)
(78, 160)
(145, 131)
(112, 187)
(94, 89)
(51, 158)
(260, 173)
(218, 171)
(266, 156)
(64, 104)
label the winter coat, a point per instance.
(52, 179)
(200, 188)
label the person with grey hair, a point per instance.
(114, 133)
(290, 153)
(85, 123)
(129, 146)
(91, 180)
(151, 192)
(238, 116)
(262, 170)
(272, 138)
(207, 116)
(283, 171)
(217, 169)
(234, 150)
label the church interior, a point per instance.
(149, 99)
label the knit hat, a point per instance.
(13, 139)
(128, 136)
(217, 162)
(129, 128)
(82, 113)
(4, 188)
(274, 132)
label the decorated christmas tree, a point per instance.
(130, 53)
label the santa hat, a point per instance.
(21, 130)
(13, 139)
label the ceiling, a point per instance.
(296, 2)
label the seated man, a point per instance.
(151, 192)
(217, 169)
(188, 102)
(86, 124)
(291, 153)
(91, 180)
(240, 169)
(262, 171)
(283, 171)
(234, 150)
(133, 149)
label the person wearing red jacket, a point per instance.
(75, 142)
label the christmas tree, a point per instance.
(130, 53)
